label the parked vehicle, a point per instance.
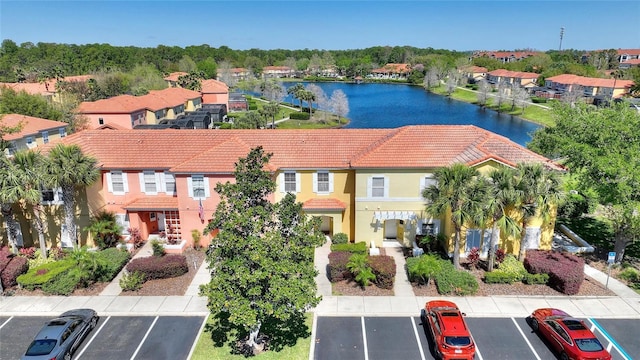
(450, 334)
(569, 337)
(60, 337)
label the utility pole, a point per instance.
(561, 36)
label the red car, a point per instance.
(448, 330)
(569, 336)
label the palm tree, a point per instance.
(309, 97)
(70, 169)
(457, 192)
(296, 91)
(538, 191)
(6, 205)
(23, 180)
(501, 201)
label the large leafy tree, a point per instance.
(262, 257)
(71, 170)
(458, 192)
(23, 177)
(600, 148)
(538, 193)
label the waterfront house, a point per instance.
(32, 132)
(589, 87)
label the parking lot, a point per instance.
(115, 337)
(388, 338)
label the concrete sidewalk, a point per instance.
(625, 305)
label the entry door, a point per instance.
(326, 225)
(161, 222)
(390, 229)
(64, 237)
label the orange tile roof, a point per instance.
(570, 79)
(30, 125)
(175, 75)
(213, 86)
(506, 54)
(632, 62)
(153, 203)
(48, 88)
(393, 68)
(323, 204)
(635, 52)
(216, 151)
(125, 104)
(514, 74)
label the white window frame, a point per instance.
(57, 196)
(316, 182)
(283, 183)
(125, 184)
(205, 181)
(385, 186)
(143, 182)
(30, 140)
(427, 181)
(167, 175)
(45, 137)
(62, 132)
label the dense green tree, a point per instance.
(23, 178)
(209, 67)
(600, 147)
(70, 170)
(191, 81)
(12, 102)
(105, 229)
(262, 258)
(458, 193)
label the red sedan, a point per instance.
(568, 336)
(448, 330)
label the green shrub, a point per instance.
(339, 238)
(359, 247)
(359, 266)
(157, 248)
(630, 274)
(456, 282)
(159, 267)
(114, 260)
(64, 283)
(299, 116)
(538, 100)
(253, 107)
(499, 277)
(420, 269)
(36, 277)
(512, 267)
(536, 279)
(132, 281)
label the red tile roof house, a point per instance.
(127, 111)
(32, 132)
(519, 78)
(172, 79)
(214, 92)
(391, 71)
(176, 171)
(628, 54)
(505, 56)
(474, 73)
(46, 89)
(608, 88)
(277, 72)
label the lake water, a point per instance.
(395, 105)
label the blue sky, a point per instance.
(327, 25)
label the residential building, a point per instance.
(32, 132)
(127, 111)
(237, 102)
(391, 71)
(628, 64)
(238, 74)
(590, 87)
(474, 73)
(363, 182)
(47, 89)
(512, 78)
(504, 56)
(277, 72)
(625, 55)
(172, 79)
(214, 92)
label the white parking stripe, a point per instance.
(415, 330)
(478, 352)
(364, 339)
(144, 338)
(314, 325)
(525, 339)
(5, 323)
(86, 346)
(195, 341)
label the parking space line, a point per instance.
(5, 323)
(525, 339)
(312, 347)
(612, 342)
(144, 338)
(415, 330)
(200, 333)
(95, 334)
(478, 352)
(364, 339)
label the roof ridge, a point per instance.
(383, 139)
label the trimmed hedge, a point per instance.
(384, 267)
(566, 271)
(339, 238)
(509, 271)
(114, 260)
(456, 282)
(338, 266)
(536, 279)
(42, 274)
(63, 284)
(299, 116)
(17, 266)
(159, 267)
(499, 277)
(359, 247)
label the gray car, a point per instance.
(60, 337)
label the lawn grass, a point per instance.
(206, 350)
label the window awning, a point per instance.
(153, 203)
(394, 215)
